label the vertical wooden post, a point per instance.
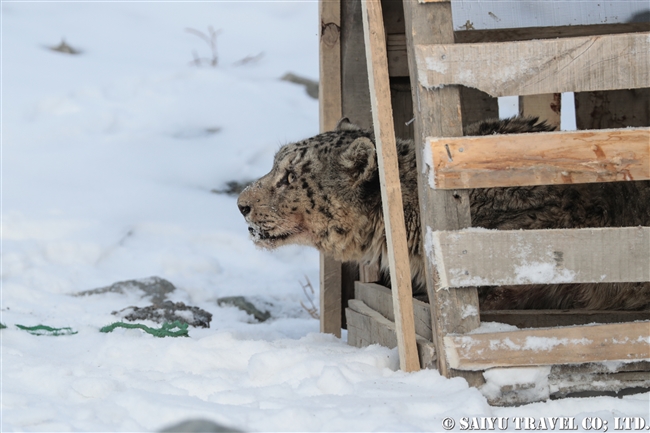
(329, 96)
(391, 192)
(438, 114)
(547, 107)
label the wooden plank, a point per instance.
(512, 257)
(380, 299)
(546, 107)
(330, 112)
(330, 296)
(398, 59)
(550, 318)
(391, 192)
(570, 345)
(544, 158)
(356, 107)
(580, 64)
(613, 109)
(530, 33)
(369, 327)
(560, 381)
(437, 113)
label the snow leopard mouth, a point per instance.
(262, 236)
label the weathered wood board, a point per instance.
(366, 327)
(535, 67)
(559, 381)
(510, 257)
(544, 158)
(380, 299)
(437, 113)
(570, 345)
(329, 113)
(391, 193)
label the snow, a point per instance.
(108, 162)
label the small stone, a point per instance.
(243, 304)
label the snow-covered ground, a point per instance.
(108, 162)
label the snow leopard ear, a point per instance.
(360, 160)
(345, 125)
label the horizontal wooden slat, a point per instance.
(534, 67)
(528, 33)
(548, 318)
(570, 345)
(366, 326)
(379, 298)
(607, 155)
(477, 257)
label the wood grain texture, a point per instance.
(511, 257)
(570, 345)
(391, 193)
(535, 67)
(369, 327)
(437, 113)
(380, 299)
(330, 112)
(330, 295)
(545, 158)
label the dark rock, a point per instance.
(155, 287)
(168, 312)
(199, 426)
(245, 305)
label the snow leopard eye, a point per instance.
(291, 177)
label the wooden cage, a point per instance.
(401, 68)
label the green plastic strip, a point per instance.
(47, 330)
(166, 330)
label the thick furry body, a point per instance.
(324, 192)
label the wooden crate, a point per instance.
(400, 67)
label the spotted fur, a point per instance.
(324, 192)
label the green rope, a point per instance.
(46, 330)
(166, 330)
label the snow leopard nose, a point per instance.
(245, 210)
(243, 205)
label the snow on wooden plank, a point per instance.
(581, 64)
(478, 257)
(545, 158)
(529, 347)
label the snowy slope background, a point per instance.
(109, 158)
